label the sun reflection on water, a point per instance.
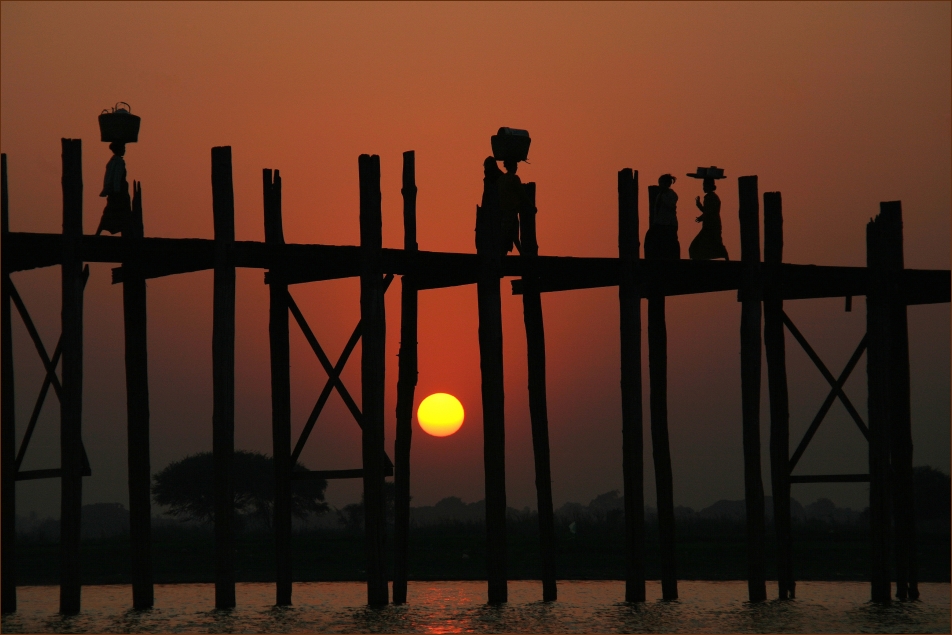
(460, 607)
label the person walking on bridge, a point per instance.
(115, 190)
(661, 241)
(512, 200)
(510, 145)
(708, 244)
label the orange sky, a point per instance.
(838, 106)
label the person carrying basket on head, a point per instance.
(511, 146)
(115, 189)
(708, 244)
(117, 128)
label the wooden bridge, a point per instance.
(762, 286)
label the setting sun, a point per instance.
(440, 414)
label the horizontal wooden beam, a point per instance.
(311, 475)
(24, 250)
(926, 286)
(830, 478)
(798, 282)
(919, 286)
(309, 263)
(149, 271)
(33, 475)
(434, 270)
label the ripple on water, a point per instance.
(460, 607)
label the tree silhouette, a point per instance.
(352, 516)
(187, 488)
(932, 492)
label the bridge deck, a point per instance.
(310, 263)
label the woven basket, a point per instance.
(120, 125)
(511, 143)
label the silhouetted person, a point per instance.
(115, 188)
(661, 241)
(708, 244)
(512, 200)
(488, 223)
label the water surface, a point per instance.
(460, 607)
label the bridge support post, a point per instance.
(629, 302)
(750, 352)
(660, 445)
(907, 585)
(877, 369)
(71, 406)
(8, 470)
(889, 408)
(137, 411)
(488, 247)
(372, 378)
(280, 391)
(406, 385)
(223, 376)
(775, 350)
(538, 409)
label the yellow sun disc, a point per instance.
(440, 414)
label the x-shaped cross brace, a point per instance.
(836, 389)
(50, 379)
(333, 375)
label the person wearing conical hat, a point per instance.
(708, 244)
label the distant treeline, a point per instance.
(932, 488)
(447, 542)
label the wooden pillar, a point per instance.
(71, 402)
(372, 377)
(406, 385)
(629, 302)
(488, 248)
(660, 446)
(538, 410)
(8, 469)
(137, 410)
(280, 390)
(877, 369)
(775, 349)
(887, 365)
(903, 496)
(750, 352)
(223, 377)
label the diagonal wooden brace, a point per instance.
(837, 388)
(49, 364)
(37, 341)
(326, 393)
(38, 407)
(333, 374)
(827, 374)
(326, 363)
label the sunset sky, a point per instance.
(838, 106)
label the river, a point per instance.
(453, 607)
